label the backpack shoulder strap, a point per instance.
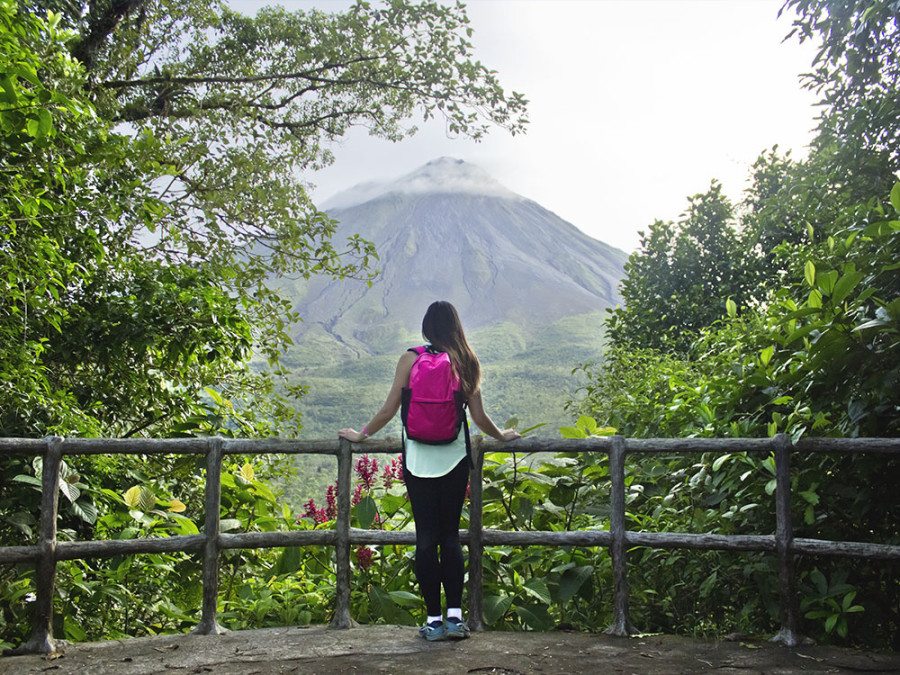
(418, 350)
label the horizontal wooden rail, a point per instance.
(48, 550)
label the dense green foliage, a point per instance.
(667, 288)
(793, 327)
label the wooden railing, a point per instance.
(48, 551)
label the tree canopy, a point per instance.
(155, 168)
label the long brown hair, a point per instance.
(443, 329)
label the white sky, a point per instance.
(634, 106)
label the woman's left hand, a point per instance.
(352, 435)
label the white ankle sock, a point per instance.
(432, 619)
(454, 613)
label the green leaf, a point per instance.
(843, 287)
(147, 501)
(842, 627)
(810, 496)
(365, 512)
(382, 602)
(819, 580)
(827, 281)
(562, 495)
(708, 584)
(731, 308)
(132, 496)
(73, 630)
(537, 588)
(848, 600)
(814, 301)
(536, 617)
(184, 525)
(265, 492)
(571, 432)
(495, 607)
(214, 395)
(8, 90)
(874, 323)
(45, 124)
(802, 332)
(246, 472)
(26, 72)
(228, 524)
(69, 491)
(128, 533)
(589, 424)
(405, 598)
(895, 197)
(391, 504)
(809, 273)
(289, 561)
(31, 480)
(572, 580)
(85, 510)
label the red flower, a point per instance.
(318, 515)
(364, 557)
(330, 503)
(387, 476)
(366, 469)
(357, 494)
(393, 471)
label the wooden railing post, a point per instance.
(41, 640)
(342, 617)
(621, 625)
(209, 625)
(476, 540)
(784, 538)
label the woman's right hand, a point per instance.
(509, 435)
(352, 435)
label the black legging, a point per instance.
(437, 505)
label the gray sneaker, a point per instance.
(456, 629)
(433, 631)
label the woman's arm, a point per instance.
(484, 422)
(391, 404)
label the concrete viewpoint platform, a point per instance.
(319, 650)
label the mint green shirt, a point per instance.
(433, 461)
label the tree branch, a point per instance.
(311, 75)
(101, 27)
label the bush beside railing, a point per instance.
(48, 551)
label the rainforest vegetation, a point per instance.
(148, 160)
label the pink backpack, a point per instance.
(432, 410)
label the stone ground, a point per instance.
(392, 649)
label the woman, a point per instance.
(437, 475)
